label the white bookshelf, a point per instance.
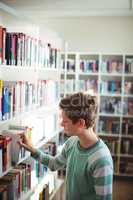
(36, 113)
(110, 78)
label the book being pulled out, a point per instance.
(17, 152)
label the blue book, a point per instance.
(5, 103)
(113, 87)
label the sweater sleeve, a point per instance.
(54, 163)
(103, 179)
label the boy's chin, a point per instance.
(68, 133)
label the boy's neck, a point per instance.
(88, 138)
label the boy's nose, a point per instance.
(61, 123)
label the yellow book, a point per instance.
(1, 86)
(41, 195)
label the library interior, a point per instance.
(66, 100)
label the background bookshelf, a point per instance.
(29, 96)
(109, 77)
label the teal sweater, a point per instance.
(89, 172)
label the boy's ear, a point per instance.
(81, 123)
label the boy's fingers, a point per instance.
(22, 144)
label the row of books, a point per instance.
(121, 164)
(114, 146)
(111, 66)
(21, 179)
(127, 146)
(43, 187)
(108, 125)
(110, 105)
(90, 86)
(23, 50)
(47, 188)
(15, 182)
(112, 87)
(20, 96)
(50, 148)
(70, 65)
(15, 97)
(111, 126)
(44, 194)
(40, 169)
(108, 65)
(10, 151)
(127, 127)
(126, 167)
(89, 66)
(128, 106)
(47, 92)
(69, 85)
(128, 87)
(129, 65)
(115, 106)
(24, 177)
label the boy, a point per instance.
(89, 166)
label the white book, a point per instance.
(17, 97)
(16, 136)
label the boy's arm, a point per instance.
(103, 181)
(53, 163)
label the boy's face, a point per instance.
(69, 128)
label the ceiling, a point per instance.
(39, 10)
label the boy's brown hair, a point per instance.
(80, 106)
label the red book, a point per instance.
(6, 152)
(2, 44)
(3, 192)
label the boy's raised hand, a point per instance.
(24, 142)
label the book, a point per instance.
(1, 94)
(1, 44)
(3, 192)
(9, 182)
(16, 152)
(15, 177)
(1, 156)
(5, 103)
(6, 149)
(17, 174)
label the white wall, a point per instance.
(19, 24)
(96, 34)
(50, 36)
(14, 23)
